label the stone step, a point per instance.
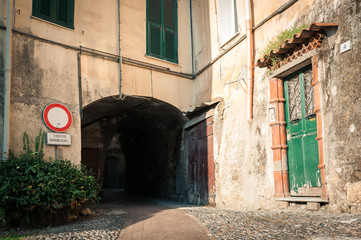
(303, 199)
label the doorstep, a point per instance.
(302, 199)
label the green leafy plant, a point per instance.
(31, 187)
(38, 153)
(276, 42)
(2, 217)
(11, 235)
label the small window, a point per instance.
(56, 11)
(228, 20)
(162, 29)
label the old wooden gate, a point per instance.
(304, 175)
(201, 163)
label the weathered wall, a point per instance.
(100, 79)
(133, 29)
(3, 13)
(202, 48)
(243, 156)
(37, 80)
(44, 72)
(244, 177)
(341, 103)
(139, 81)
(339, 77)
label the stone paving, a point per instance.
(153, 221)
(148, 221)
(104, 224)
(278, 224)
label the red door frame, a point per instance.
(279, 140)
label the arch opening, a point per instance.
(133, 144)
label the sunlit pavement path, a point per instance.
(147, 220)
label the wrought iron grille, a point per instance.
(309, 94)
(294, 96)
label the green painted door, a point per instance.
(304, 175)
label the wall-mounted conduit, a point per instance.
(7, 81)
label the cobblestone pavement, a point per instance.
(278, 224)
(110, 218)
(105, 224)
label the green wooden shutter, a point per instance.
(57, 11)
(169, 14)
(65, 12)
(170, 30)
(155, 28)
(169, 45)
(42, 9)
(162, 29)
(62, 11)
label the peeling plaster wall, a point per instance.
(144, 82)
(339, 76)
(242, 150)
(37, 80)
(100, 79)
(44, 73)
(340, 96)
(243, 160)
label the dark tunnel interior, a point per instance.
(133, 144)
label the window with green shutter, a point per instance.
(162, 29)
(56, 11)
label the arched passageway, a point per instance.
(133, 144)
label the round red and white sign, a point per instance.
(57, 117)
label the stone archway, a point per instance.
(148, 134)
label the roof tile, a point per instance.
(297, 40)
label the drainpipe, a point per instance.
(191, 26)
(250, 67)
(7, 81)
(80, 88)
(120, 55)
(13, 16)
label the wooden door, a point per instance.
(304, 175)
(201, 163)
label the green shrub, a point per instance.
(35, 187)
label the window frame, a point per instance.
(163, 31)
(53, 18)
(231, 19)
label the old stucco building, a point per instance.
(175, 99)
